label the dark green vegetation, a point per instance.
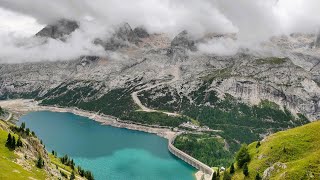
(1, 111)
(68, 95)
(205, 147)
(291, 154)
(117, 102)
(271, 60)
(24, 95)
(67, 166)
(8, 157)
(12, 143)
(232, 170)
(242, 156)
(218, 74)
(67, 161)
(245, 169)
(84, 173)
(72, 176)
(154, 118)
(22, 131)
(238, 122)
(40, 162)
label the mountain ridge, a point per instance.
(206, 82)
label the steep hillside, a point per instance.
(30, 160)
(291, 154)
(12, 170)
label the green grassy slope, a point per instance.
(11, 170)
(296, 151)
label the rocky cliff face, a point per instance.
(58, 30)
(144, 59)
(317, 42)
(122, 37)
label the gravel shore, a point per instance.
(20, 107)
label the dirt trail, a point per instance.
(175, 71)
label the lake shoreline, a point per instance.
(20, 107)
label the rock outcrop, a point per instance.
(123, 37)
(141, 32)
(180, 47)
(183, 40)
(59, 29)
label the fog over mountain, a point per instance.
(252, 21)
(241, 69)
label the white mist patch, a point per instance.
(253, 21)
(219, 46)
(17, 24)
(17, 49)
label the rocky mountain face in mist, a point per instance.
(123, 37)
(58, 30)
(291, 80)
(317, 43)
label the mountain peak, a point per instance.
(59, 29)
(183, 40)
(122, 36)
(141, 32)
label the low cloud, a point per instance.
(252, 20)
(219, 46)
(17, 49)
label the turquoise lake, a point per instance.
(109, 152)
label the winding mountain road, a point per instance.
(175, 71)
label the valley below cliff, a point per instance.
(152, 79)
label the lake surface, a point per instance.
(109, 152)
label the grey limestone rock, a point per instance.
(58, 30)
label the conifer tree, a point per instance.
(72, 176)
(19, 142)
(226, 176)
(40, 162)
(258, 144)
(232, 168)
(214, 176)
(22, 126)
(27, 131)
(245, 169)
(13, 143)
(9, 140)
(258, 177)
(242, 156)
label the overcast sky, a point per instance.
(252, 20)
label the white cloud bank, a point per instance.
(252, 20)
